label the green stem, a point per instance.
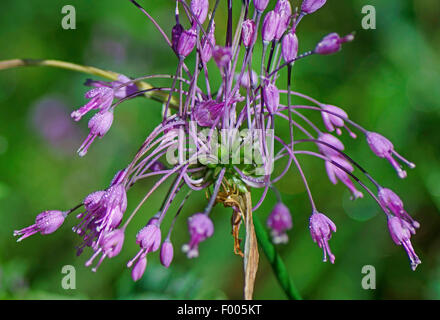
(275, 261)
(142, 85)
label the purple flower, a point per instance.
(310, 6)
(279, 221)
(289, 47)
(321, 229)
(208, 44)
(92, 201)
(284, 9)
(245, 81)
(110, 246)
(166, 253)
(176, 32)
(335, 173)
(400, 232)
(248, 33)
(332, 43)
(270, 26)
(112, 243)
(113, 204)
(101, 99)
(271, 97)
(283, 5)
(149, 238)
(333, 141)
(200, 9)
(332, 121)
(104, 212)
(392, 201)
(260, 5)
(139, 268)
(187, 41)
(222, 56)
(123, 87)
(99, 125)
(207, 113)
(200, 228)
(383, 148)
(46, 222)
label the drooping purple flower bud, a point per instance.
(187, 42)
(261, 5)
(334, 173)
(289, 47)
(200, 9)
(333, 122)
(109, 246)
(284, 9)
(176, 32)
(332, 43)
(279, 221)
(270, 26)
(99, 125)
(207, 113)
(393, 202)
(200, 228)
(113, 204)
(46, 222)
(283, 5)
(321, 229)
(271, 97)
(166, 253)
(222, 56)
(333, 141)
(400, 232)
(92, 201)
(149, 238)
(139, 268)
(101, 98)
(112, 243)
(245, 81)
(248, 33)
(208, 45)
(383, 148)
(310, 6)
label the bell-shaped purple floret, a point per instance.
(101, 99)
(46, 222)
(279, 221)
(400, 232)
(200, 227)
(321, 229)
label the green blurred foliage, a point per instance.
(387, 79)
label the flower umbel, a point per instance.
(228, 111)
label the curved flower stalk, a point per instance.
(224, 141)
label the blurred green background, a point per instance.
(387, 79)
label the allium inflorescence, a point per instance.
(244, 111)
